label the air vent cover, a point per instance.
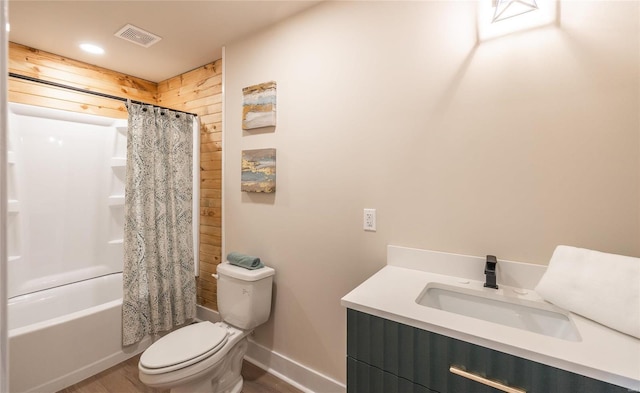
(137, 36)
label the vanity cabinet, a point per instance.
(389, 357)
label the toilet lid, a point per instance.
(184, 346)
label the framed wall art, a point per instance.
(259, 106)
(258, 171)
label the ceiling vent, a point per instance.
(137, 36)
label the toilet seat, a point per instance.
(183, 347)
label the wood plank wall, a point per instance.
(42, 65)
(198, 91)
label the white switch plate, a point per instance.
(370, 220)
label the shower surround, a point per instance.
(65, 229)
(66, 197)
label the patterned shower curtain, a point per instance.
(158, 276)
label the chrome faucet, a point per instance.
(490, 272)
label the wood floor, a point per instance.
(123, 378)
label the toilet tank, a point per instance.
(244, 296)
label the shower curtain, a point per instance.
(158, 276)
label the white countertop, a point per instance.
(391, 293)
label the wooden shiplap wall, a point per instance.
(43, 65)
(198, 91)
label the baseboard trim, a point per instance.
(288, 370)
(292, 372)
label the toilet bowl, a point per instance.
(206, 357)
(200, 358)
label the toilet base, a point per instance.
(205, 387)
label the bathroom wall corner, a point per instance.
(207, 314)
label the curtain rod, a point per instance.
(95, 93)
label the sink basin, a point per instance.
(506, 307)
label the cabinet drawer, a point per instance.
(424, 358)
(363, 378)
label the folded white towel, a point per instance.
(599, 286)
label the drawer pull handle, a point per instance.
(485, 381)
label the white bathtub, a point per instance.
(60, 336)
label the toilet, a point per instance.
(206, 357)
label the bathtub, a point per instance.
(60, 336)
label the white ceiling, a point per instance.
(193, 32)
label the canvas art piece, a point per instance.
(258, 170)
(259, 106)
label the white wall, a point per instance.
(4, 354)
(507, 147)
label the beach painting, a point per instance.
(258, 171)
(259, 106)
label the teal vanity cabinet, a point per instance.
(384, 356)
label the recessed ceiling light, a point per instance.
(93, 49)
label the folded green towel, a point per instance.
(245, 261)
